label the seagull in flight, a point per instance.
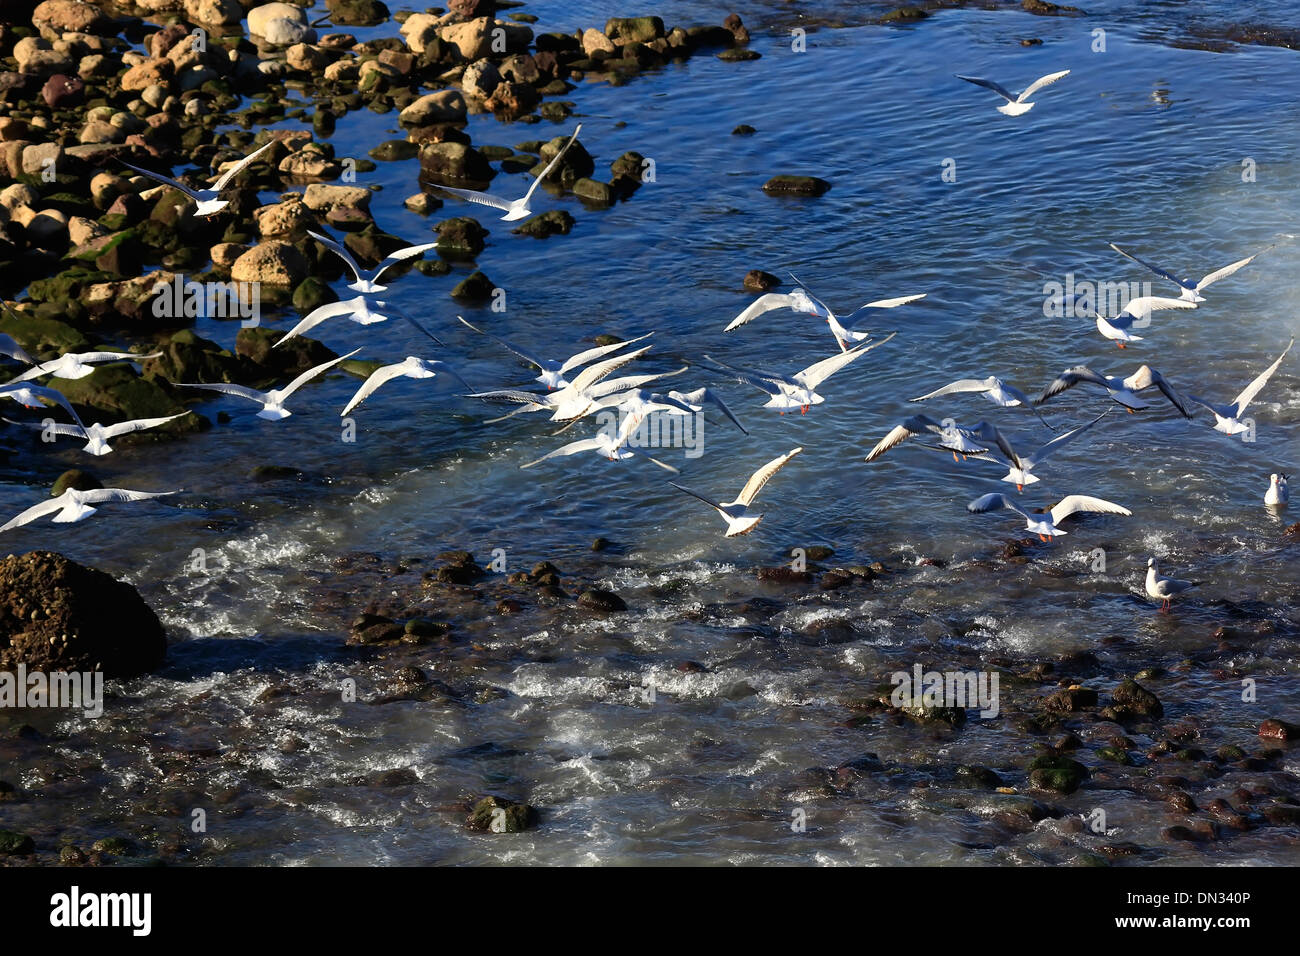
(1015, 105)
(1164, 589)
(993, 388)
(411, 367)
(272, 402)
(799, 390)
(1228, 417)
(1137, 310)
(74, 365)
(366, 281)
(359, 310)
(29, 395)
(513, 208)
(612, 446)
(552, 372)
(1191, 291)
(97, 435)
(1045, 522)
(951, 437)
(12, 349)
(1021, 474)
(801, 300)
(1122, 390)
(74, 505)
(1278, 493)
(737, 514)
(209, 200)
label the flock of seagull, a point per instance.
(572, 388)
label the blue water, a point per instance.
(1142, 145)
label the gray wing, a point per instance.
(590, 355)
(401, 255)
(552, 164)
(1228, 270)
(12, 349)
(339, 250)
(229, 388)
(961, 385)
(703, 395)
(59, 428)
(139, 425)
(1145, 377)
(1062, 439)
(594, 373)
(1039, 83)
(900, 433)
(166, 180)
(1250, 391)
(994, 502)
(478, 196)
(239, 167)
(988, 85)
(1070, 378)
(318, 315)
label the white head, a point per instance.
(1151, 564)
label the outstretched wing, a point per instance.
(139, 425)
(380, 376)
(504, 344)
(1062, 439)
(482, 198)
(311, 373)
(900, 433)
(1146, 376)
(1070, 378)
(1072, 504)
(228, 388)
(1144, 305)
(99, 495)
(818, 372)
(401, 255)
(12, 349)
(1250, 391)
(762, 476)
(318, 315)
(592, 374)
(1039, 83)
(768, 302)
(988, 85)
(766, 381)
(165, 180)
(572, 448)
(961, 385)
(239, 167)
(339, 250)
(1156, 269)
(708, 501)
(704, 395)
(552, 164)
(995, 502)
(35, 511)
(1228, 270)
(590, 355)
(59, 428)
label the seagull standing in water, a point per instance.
(1015, 105)
(514, 208)
(1045, 522)
(1164, 589)
(1227, 417)
(1278, 493)
(272, 402)
(74, 505)
(737, 514)
(1192, 290)
(209, 200)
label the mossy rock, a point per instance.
(594, 192)
(785, 185)
(42, 337)
(312, 293)
(553, 222)
(1116, 755)
(498, 815)
(461, 237)
(116, 846)
(67, 285)
(257, 346)
(187, 357)
(15, 844)
(1134, 698)
(396, 150)
(476, 287)
(1058, 774)
(361, 368)
(74, 478)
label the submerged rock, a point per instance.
(52, 618)
(785, 185)
(499, 815)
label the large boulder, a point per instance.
(445, 106)
(57, 17)
(270, 263)
(56, 615)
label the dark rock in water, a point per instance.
(375, 629)
(273, 472)
(1274, 729)
(784, 185)
(394, 150)
(1203, 833)
(473, 9)
(904, 13)
(116, 846)
(312, 293)
(15, 844)
(74, 478)
(7, 791)
(576, 164)
(61, 91)
(818, 552)
(1059, 774)
(499, 815)
(1044, 9)
(476, 287)
(593, 191)
(457, 165)
(358, 13)
(1132, 697)
(1115, 755)
(625, 30)
(832, 580)
(597, 599)
(52, 618)
(424, 629)
(461, 237)
(756, 280)
(71, 856)
(744, 129)
(258, 345)
(738, 55)
(1031, 41)
(783, 574)
(981, 778)
(508, 606)
(1071, 699)
(553, 222)
(600, 544)
(189, 358)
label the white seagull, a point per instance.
(1045, 522)
(993, 388)
(951, 437)
(552, 372)
(514, 208)
(578, 397)
(30, 395)
(611, 445)
(12, 349)
(695, 402)
(411, 367)
(358, 309)
(1022, 474)
(740, 519)
(801, 300)
(74, 505)
(1227, 417)
(1278, 493)
(787, 392)
(97, 435)
(1191, 290)
(1162, 588)
(1015, 105)
(1137, 310)
(272, 402)
(367, 280)
(209, 200)
(1121, 390)
(79, 364)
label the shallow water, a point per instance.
(1141, 145)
